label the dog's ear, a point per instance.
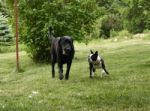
(96, 52)
(72, 40)
(50, 32)
(91, 51)
(50, 29)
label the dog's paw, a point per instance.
(61, 77)
(66, 78)
(93, 74)
(53, 76)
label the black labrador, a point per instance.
(62, 52)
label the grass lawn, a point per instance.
(126, 89)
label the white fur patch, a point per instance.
(103, 73)
(97, 63)
(64, 53)
(93, 74)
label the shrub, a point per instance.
(5, 31)
(138, 16)
(110, 22)
(74, 18)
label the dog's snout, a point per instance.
(68, 49)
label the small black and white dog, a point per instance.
(95, 61)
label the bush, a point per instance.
(110, 22)
(5, 33)
(138, 16)
(114, 33)
(125, 34)
(74, 18)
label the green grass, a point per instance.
(10, 47)
(126, 89)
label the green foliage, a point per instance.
(6, 36)
(125, 34)
(121, 35)
(3, 8)
(113, 33)
(5, 31)
(138, 16)
(77, 18)
(110, 22)
(113, 17)
(74, 18)
(132, 15)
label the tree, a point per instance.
(138, 16)
(112, 19)
(110, 22)
(5, 30)
(67, 17)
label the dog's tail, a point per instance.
(50, 34)
(103, 66)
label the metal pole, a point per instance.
(16, 30)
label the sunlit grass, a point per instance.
(127, 87)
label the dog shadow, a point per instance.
(96, 78)
(104, 78)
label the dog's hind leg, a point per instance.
(103, 67)
(53, 60)
(102, 73)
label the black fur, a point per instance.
(93, 62)
(62, 52)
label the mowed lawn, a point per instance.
(126, 89)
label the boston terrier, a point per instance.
(96, 61)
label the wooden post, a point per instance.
(16, 30)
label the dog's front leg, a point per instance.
(53, 70)
(91, 69)
(60, 66)
(68, 70)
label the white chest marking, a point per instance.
(97, 63)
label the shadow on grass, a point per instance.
(96, 78)
(143, 65)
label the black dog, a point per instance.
(95, 61)
(62, 52)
